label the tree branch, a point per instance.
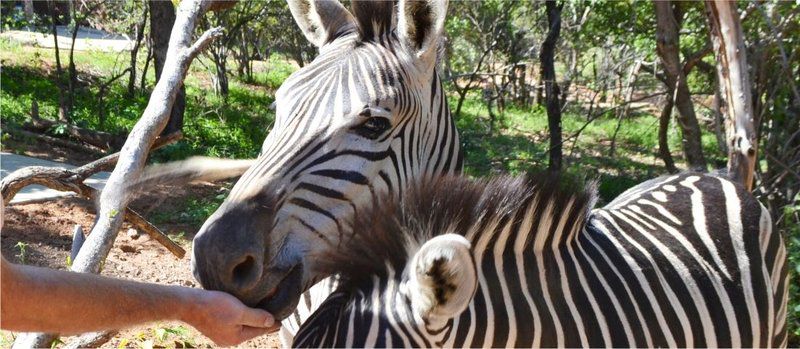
(72, 180)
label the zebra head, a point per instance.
(366, 116)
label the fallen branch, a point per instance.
(98, 139)
(156, 234)
(54, 141)
(72, 180)
(91, 340)
(64, 179)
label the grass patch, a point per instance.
(213, 126)
(192, 212)
(520, 143)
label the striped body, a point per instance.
(684, 261)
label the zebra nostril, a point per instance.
(246, 273)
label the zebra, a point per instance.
(367, 115)
(688, 260)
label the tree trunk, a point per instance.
(734, 84)
(115, 196)
(62, 103)
(143, 78)
(462, 95)
(573, 73)
(547, 59)
(668, 47)
(73, 73)
(622, 113)
(719, 119)
(28, 8)
(220, 77)
(663, 127)
(162, 18)
(135, 51)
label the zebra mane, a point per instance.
(386, 234)
(374, 18)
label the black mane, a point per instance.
(386, 233)
(371, 15)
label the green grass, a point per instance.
(193, 211)
(522, 143)
(212, 126)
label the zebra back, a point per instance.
(687, 260)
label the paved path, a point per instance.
(12, 162)
(88, 39)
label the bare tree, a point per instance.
(162, 17)
(668, 48)
(63, 113)
(663, 126)
(547, 59)
(735, 89)
(139, 30)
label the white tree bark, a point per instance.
(734, 84)
(115, 197)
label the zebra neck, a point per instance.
(540, 222)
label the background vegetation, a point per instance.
(613, 95)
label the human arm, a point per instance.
(45, 300)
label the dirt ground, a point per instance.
(40, 234)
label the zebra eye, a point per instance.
(373, 127)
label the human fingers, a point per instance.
(248, 332)
(256, 318)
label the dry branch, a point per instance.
(64, 179)
(54, 141)
(72, 180)
(91, 340)
(114, 197)
(98, 139)
(142, 224)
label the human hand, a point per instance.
(225, 320)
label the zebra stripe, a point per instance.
(689, 260)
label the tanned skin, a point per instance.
(34, 299)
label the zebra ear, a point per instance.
(419, 26)
(321, 20)
(442, 278)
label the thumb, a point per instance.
(256, 318)
(248, 333)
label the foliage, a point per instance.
(193, 212)
(162, 336)
(791, 222)
(213, 126)
(13, 17)
(22, 256)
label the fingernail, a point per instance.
(269, 321)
